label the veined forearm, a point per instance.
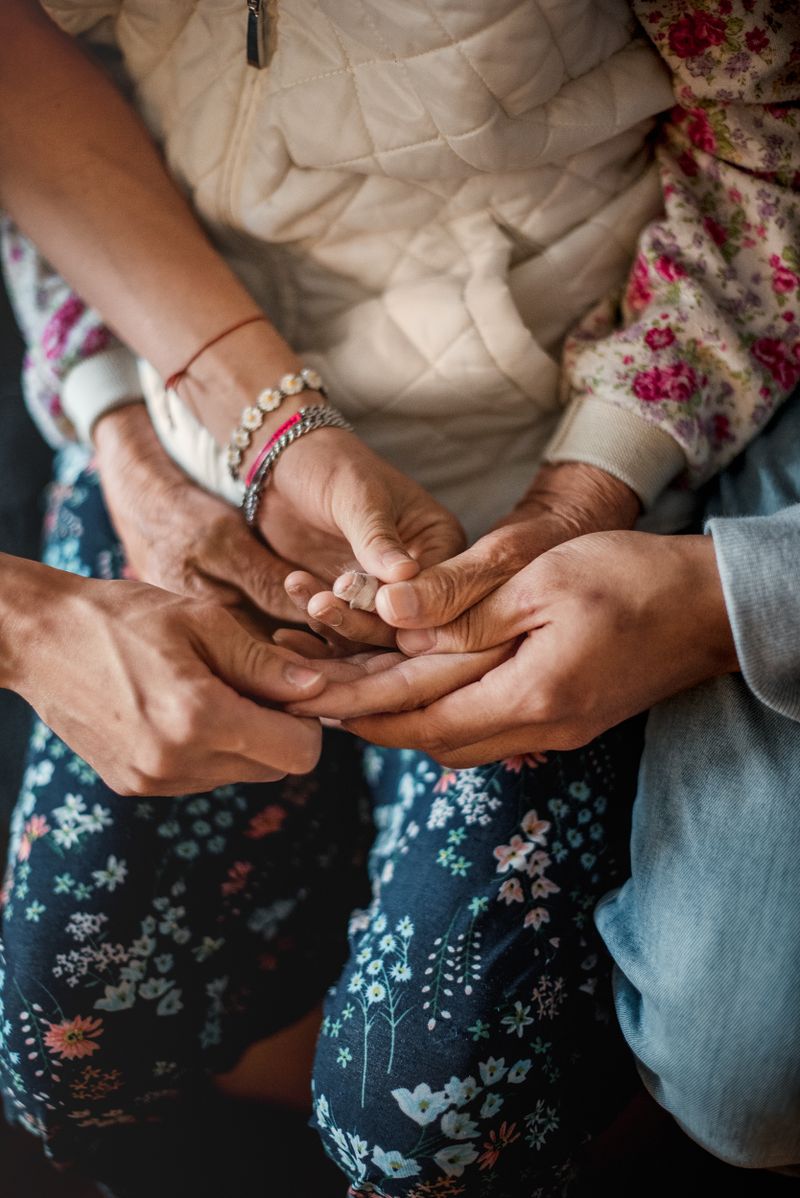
(32, 599)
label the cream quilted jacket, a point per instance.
(424, 195)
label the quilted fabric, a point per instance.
(424, 194)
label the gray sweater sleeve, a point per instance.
(759, 563)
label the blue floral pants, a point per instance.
(468, 1045)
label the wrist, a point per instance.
(129, 452)
(32, 600)
(586, 496)
(117, 423)
(230, 376)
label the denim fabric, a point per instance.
(706, 933)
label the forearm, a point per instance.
(81, 176)
(34, 601)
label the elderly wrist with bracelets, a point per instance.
(254, 416)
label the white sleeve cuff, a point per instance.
(96, 385)
(620, 442)
(186, 440)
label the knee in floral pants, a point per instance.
(467, 1047)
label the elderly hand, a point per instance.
(596, 630)
(177, 536)
(565, 501)
(375, 519)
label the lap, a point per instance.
(149, 942)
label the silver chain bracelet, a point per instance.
(308, 419)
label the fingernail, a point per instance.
(347, 586)
(394, 557)
(300, 675)
(330, 616)
(329, 722)
(299, 595)
(403, 600)
(416, 640)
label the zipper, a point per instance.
(257, 21)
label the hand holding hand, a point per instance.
(150, 688)
(600, 627)
(373, 517)
(564, 501)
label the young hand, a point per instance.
(601, 628)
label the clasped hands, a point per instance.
(557, 625)
(549, 629)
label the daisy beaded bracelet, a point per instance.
(268, 401)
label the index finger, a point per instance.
(406, 684)
(487, 707)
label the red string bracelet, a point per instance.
(262, 453)
(175, 378)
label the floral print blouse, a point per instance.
(705, 341)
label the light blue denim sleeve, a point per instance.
(759, 563)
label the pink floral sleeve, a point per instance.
(58, 327)
(710, 338)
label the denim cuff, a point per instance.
(759, 564)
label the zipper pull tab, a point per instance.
(256, 33)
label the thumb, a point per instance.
(256, 668)
(442, 592)
(502, 616)
(375, 541)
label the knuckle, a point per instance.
(251, 658)
(154, 767)
(545, 704)
(450, 760)
(188, 723)
(128, 784)
(500, 550)
(443, 597)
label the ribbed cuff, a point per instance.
(621, 443)
(106, 380)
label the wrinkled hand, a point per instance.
(596, 630)
(150, 688)
(373, 517)
(565, 501)
(177, 536)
